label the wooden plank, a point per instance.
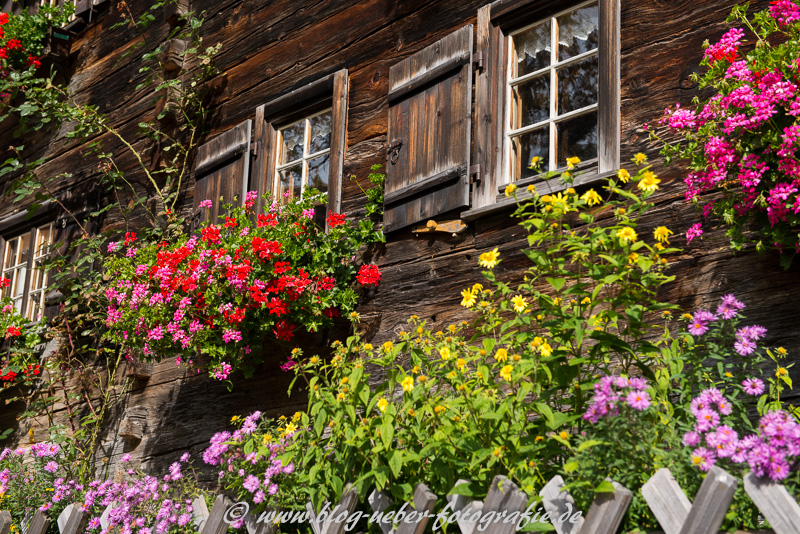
(667, 501)
(435, 181)
(608, 114)
(424, 501)
(199, 513)
(558, 501)
(341, 91)
(301, 97)
(5, 522)
(380, 501)
(75, 520)
(39, 524)
(607, 511)
(467, 507)
(215, 524)
(429, 76)
(711, 503)
(779, 507)
(346, 504)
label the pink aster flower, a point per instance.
(638, 400)
(703, 458)
(753, 386)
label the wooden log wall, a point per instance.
(272, 47)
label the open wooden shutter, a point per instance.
(429, 132)
(222, 169)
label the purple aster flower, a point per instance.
(94, 523)
(697, 328)
(724, 407)
(703, 458)
(753, 386)
(745, 347)
(706, 420)
(638, 383)
(51, 467)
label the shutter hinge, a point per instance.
(394, 150)
(255, 147)
(476, 173)
(477, 60)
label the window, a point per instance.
(300, 140)
(547, 86)
(552, 91)
(22, 259)
(304, 156)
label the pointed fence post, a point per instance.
(424, 501)
(215, 524)
(329, 525)
(775, 502)
(504, 498)
(607, 511)
(558, 501)
(667, 501)
(380, 501)
(5, 522)
(72, 520)
(711, 503)
(39, 523)
(199, 512)
(467, 507)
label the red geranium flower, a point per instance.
(14, 331)
(336, 219)
(211, 234)
(368, 275)
(5, 282)
(230, 222)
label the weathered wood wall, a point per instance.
(272, 47)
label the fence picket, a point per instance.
(667, 500)
(199, 512)
(215, 524)
(558, 501)
(380, 501)
(5, 522)
(467, 507)
(329, 525)
(711, 503)
(504, 495)
(424, 501)
(39, 523)
(75, 521)
(775, 502)
(255, 527)
(607, 511)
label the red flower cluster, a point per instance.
(368, 275)
(5, 282)
(13, 331)
(335, 219)
(6, 375)
(14, 49)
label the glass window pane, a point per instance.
(24, 248)
(42, 240)
(320, 132)
(577, 85)
(19, 282)
(11, 253)
(291, 179)
(38, 279)
(531, 49)
(527, 146)
(530, 102)
(577, 137)
(7, 290)
(18, 304)
(318, 169)
(577, 32)
(293, 139)
(34, 309)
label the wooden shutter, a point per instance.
(429, 132)
(222, 169)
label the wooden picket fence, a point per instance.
(674, 511)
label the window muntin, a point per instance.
(28, 278)
(304, 156)
(552, 91)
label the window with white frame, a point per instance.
(304, 156)
(552, 92)
(23, 256)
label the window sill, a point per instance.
(553, 186)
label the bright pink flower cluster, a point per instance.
(772, 452)
(614, 391)
(744, 140)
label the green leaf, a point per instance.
(589, 443)
(396, 462)
(605, 487)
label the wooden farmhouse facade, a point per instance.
(452, 99)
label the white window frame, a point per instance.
(279, 166)
(554, 118)
(24, 302)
